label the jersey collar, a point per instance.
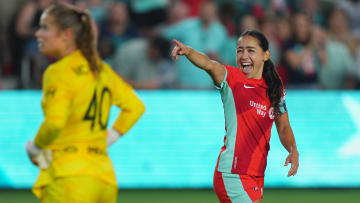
(256, 82)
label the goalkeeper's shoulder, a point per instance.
(108, 70)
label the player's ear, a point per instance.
(266, 55)
(67, 35)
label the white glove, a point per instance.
(41, 158)
(112, 136)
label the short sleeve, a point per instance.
(230, 76)
(224, 80)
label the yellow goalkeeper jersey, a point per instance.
(76, 106)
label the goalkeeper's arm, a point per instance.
(112, 136)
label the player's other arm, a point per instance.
(131, 110)
(131, 107)
(287, 139)
(213, 68)
(48, 132)
(56, 105)
(56, 101)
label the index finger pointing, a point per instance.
(178, 43)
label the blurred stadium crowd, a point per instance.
(315, 44)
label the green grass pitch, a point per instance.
(208, 196)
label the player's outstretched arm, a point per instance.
(287, 139)
(213, 68)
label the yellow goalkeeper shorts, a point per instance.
(79, 189)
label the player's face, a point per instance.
(250, 57)
(49, 36)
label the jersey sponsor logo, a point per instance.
(80, 70)
(70, 149)
(260, 109)
(96, 150)
(50, 92)
(248, 87)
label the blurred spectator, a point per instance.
(352, 8)
(227, 17)
(3, 56)
(194, 6)
(267, 27)
(145, 64)
(283, 31)
(335, 72)
(115, 30)
(3, 53)
(258, 10)
(149, 13)
(282, 36)
(228, 55)
(300, 58)
(204, 33)
(6, 14)
(97, 8)
(357, 66)
(340, 31)
(28, 65)
(177, 12)
(303, 61)
(248, 22)
(278, 8)
(312, 9)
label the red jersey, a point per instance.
(248, 122)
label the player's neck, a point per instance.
(252, 75)
(67, 51)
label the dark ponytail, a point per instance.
(275, 86)
(67, 16)
(86, 41)
(274, 83)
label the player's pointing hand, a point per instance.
(179, 49)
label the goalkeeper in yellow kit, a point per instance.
(78, 91)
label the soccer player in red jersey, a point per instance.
(253, 98)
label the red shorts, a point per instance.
(237, 188)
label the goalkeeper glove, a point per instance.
(112, 136)
(39, 157)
